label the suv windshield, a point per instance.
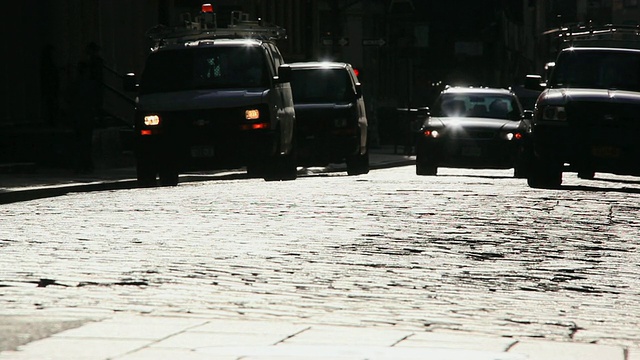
(321, 86)
(219, 67)
(598, 69)
(477, 105)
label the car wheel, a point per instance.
(358, 164)
(169, 178)
(146, 174)
(256, 170)
(283, 167)
(545, 175)
(587, 174)
(424, 168)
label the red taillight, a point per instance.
(356, 71)
(145, 132)
(517, 136)
(207, 8)
(255, 126)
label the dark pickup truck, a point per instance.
(587, 119)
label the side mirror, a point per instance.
(284, 74)
(527, 114)
(358, 90)
(129, 82)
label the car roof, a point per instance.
(213, 42)
(318, 65)
(606, 49)
(476, 90)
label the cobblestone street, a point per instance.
(470, 251)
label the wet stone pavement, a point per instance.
(468, 251)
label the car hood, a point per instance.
(201, 99)
(473, 122)
(564, 96)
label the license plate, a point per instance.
(472, 151)
(607, 152)
(202, 151)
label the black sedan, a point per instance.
(481, 128)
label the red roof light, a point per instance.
(207, 8)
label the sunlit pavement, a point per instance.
(139, 337)
(107, 335)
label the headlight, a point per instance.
(152, 120)
(252, 114)
(554, 113)
(431, 133)
(512, 136)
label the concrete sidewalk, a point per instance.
(23, 182)
(141, 337)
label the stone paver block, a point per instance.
(55, 348)
(312, 352)
(199, 340)
(547, 350)
(174, 354)
(134, 327)
(633, 354)
(457, 341)
(336, 335)
(249, 327)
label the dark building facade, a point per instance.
(406, 50)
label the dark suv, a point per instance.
(587, 119)
(330, 116)
(216, 102)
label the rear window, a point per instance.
(222, 67)
(321, 86)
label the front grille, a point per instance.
(604, 114)
(471, 134)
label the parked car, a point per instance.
(331, 121)
(474, 128)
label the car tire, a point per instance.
(145, 174)
(169, 178)
(283, 167)
(545, 175)
(586, 174)
(424, 168)
(358, 164)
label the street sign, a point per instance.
(327, 41)
(373, 42)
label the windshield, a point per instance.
(597, 70)
(493, 106)
(220, 67)
(321, 86)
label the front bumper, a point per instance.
(589, 148)
(486, 154)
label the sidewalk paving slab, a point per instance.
(144, 337)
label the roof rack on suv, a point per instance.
(204, 26)
(609, 35)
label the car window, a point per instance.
(494, 106)
(597, 70)
(205, 68)
(321, 86)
